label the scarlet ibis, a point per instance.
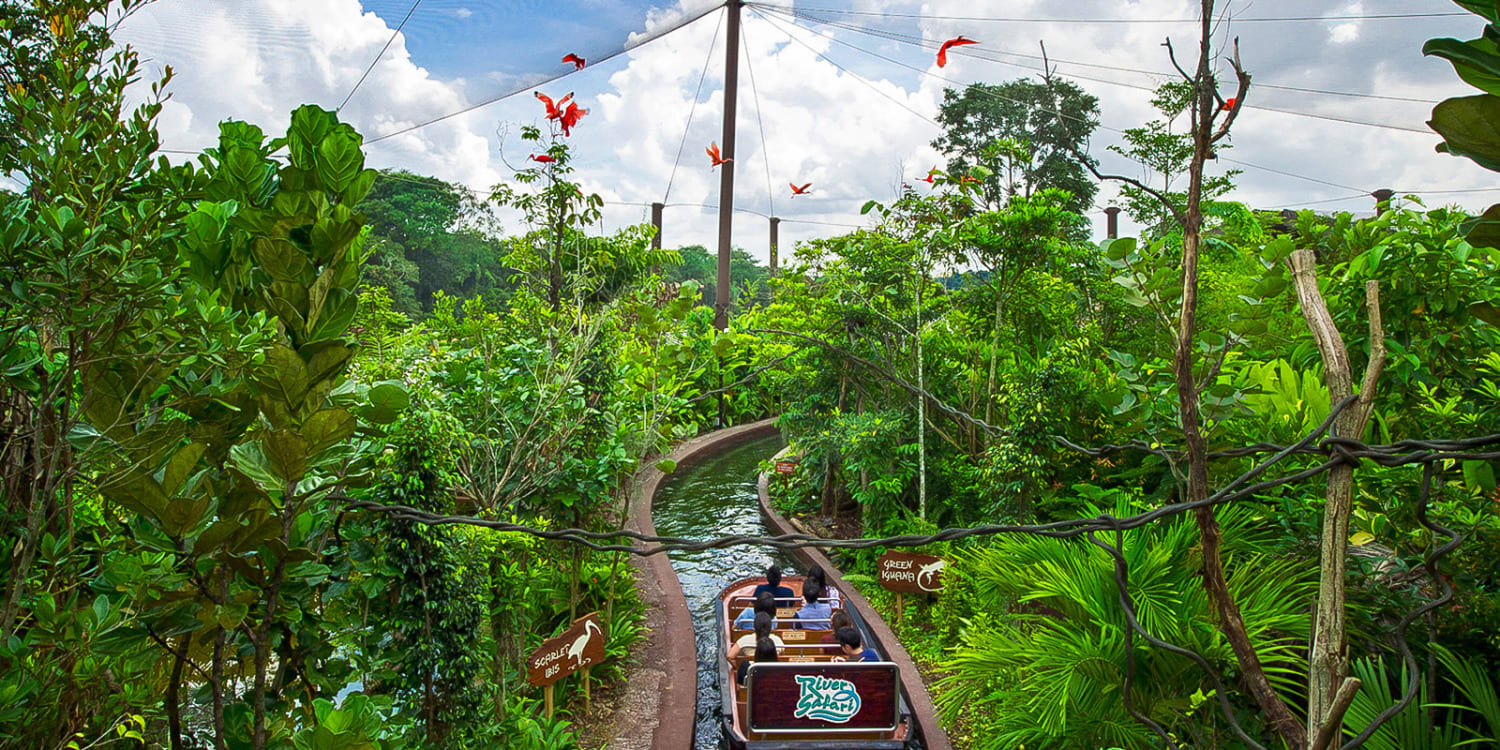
(575, 59)
(796, 191)
(713, 153)
(928, 178)
(571, 116)
(554, 110)
(959, 41)
(1228, 104)
(542, 158)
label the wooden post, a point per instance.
(775, 226)
(900, 605)
(547, 696)
(586, 689)
(656, 209)
(726, 170)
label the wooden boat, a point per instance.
(810, 699)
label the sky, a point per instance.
(840, 93)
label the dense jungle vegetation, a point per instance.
(202, 365)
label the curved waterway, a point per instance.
(713, 498)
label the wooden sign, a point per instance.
(786, 467)
(796, 697)
(579, 647)
(910, 573)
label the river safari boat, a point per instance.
(809, 699)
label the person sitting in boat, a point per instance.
(852, 646)
(765, 650)
(764, 624)
(814, 615)
(840, 620)
(765, 602)
(830, 594)
(773, 585)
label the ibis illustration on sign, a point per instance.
(826, 699)
(581, 645)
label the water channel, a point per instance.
(716, 497)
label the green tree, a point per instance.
(1167, 153)
(1026, 138)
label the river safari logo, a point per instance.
(826, 699)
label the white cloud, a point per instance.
(845, 133)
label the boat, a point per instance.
(810, 698)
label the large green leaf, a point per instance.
(1488, 9)
(1470, 127)
(287, 454)
(137, 493)
(1484, 230)
(1476, 61)
(180, 466)
(340, 159)
(327, 427)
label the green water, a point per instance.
(714, 498)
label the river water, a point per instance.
(714, 498)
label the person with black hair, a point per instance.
(851, 644)
(830, 594)
(764, 603)
(765, 651)
(773, 585)
(814, 615)
(764, 624)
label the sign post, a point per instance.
(786, 467)
(909, 573)
(579, 647)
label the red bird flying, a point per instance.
(575, 59)
(570, 117)
(713, 153)
(542, 158)
(554, 110)
(958, 41)
(796, 191)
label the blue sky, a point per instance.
(834, 113)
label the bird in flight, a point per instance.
(554, 110)
(542, 158)
(575, 59)
(713, 153)
(928, 179)
(958, 41)
(796, 191)
(570, 117)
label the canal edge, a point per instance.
(934, 737)
(671, 648)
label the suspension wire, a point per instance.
(1285, 173)
(764, 149)
(841, 68)
(376, 61)
(701, 75)
(1264, 19)
(981, 54)
(1140, 87)
(1064, 115)
(628, 47)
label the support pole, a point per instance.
(1383, 198)
(586, 706)
(775, 228)
(1112, 222)
(726, 173)
(656, 209)
(547, 698)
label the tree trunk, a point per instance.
(174, 684)
(1231, 622)
(1328, 668)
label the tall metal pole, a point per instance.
(726, 174)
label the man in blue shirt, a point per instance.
(851, 644)
(813, 616)
(773, 585)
